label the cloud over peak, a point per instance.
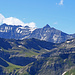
(1, 18)
(15, 21)
(12, 21)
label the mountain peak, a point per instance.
(26, 27)
(47, 26)
(4, 24)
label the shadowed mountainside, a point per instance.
(36, 57)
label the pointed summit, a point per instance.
(47, 26)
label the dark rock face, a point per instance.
(46, 33)
(36, 57)
(1, 71)
(3, 63)
(50, 34)
(38, 44)
(54, 66)
(4, 44)
(22, 61)
(4, 55)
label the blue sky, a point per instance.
(59, 14)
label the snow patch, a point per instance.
(44, 34)
(47, 31)
(44, 38)
(25, 37)
(6, 28)
(20, 46)
(68, 41)
(3, 30)
(55, 37)
(30, 28)
(18, 30)
(64, 73)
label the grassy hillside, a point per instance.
(54, 65)
(70, 72)
(33, 57)
(11, 68)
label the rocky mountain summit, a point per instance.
(46, 33)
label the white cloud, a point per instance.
(15, 21)
(12, 21)
(61, 2)
(55, 23)
(1, 18)
(31, 24)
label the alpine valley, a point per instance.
(36, 51)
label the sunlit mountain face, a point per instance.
(46, 33)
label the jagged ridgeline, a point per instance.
(46, 33)
(36, 57)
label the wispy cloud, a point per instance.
(56, 3)
(15, 21)
(55, 23)
(61, 2)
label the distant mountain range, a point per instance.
(36, 51)
(46, 33)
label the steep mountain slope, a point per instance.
(70, 72)
(16, 32)
(23, 52)
(46, 33)
(16, 54)
(56, 61)
(50, 34)
(36, 57)
(55, 65)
